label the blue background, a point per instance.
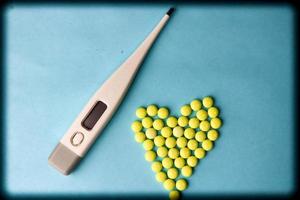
(57, 57)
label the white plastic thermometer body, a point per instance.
(100, 108)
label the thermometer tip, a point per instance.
(170, 11)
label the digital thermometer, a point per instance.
(100, 108)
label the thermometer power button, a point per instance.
(77, 138)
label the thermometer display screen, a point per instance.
(94, 115)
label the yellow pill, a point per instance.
(213, 112)
(147, 122)
(192, 161)
(179, 162)
(141, 112)
(172, 173)
(166, 132)
(151, 133)
(205, 125)
(192, 144)
(162, 152)
(183, 121)
(201, 115)
(169, 184)
(172, 122)
(167, 162)
(161, 176)
(215, 123)
(186, 171)
(185, 110)
(212, 135)
(194, 122)
(148, 145)
(199, 153)
(196, 105)
(174, 195)
(200, 136)
(185, 152)
(150, 156)
(159, 141)
(156, 166)
(163, 113)
(170, 142)
(189, 133)
(152, 110)
(173, 153)
(158, 124)
(178, 131)
(207, 145)
(181, 184)
(139, 137)
(181, 142)
(136, 126)
(207, 102)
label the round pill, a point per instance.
(181, 184)
(167, 162)
(136, 126)
(179, 162)
(207, 145)
(173, 153)
(185, 152)
(139, 137)
(181, 142)
(174, 195)
(185, 110)
(215, 123)
(169, 184)
(152, 110)
(178, 131)
(156, 166)
(192, 161)
(151, 133)
(189, 133)
(166, 132)
(186, 171)
(148, 145)
(183, 121)
(200, 136)
(150, 156)
(194, 122)
(201, 115)
(147, 122)
(170, 142)
(212, 135)
(162, 152)
(161, 176)
(207, 102)
(205, 125)
(141, 112)
(213, 112)
(158, 124)
(163, 113)
(172, 173)
(192, 144)
(196, 105)
(172, 122)
(199, 153)
(159, 141)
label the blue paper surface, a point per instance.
(58, 56)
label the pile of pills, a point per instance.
(174, 146)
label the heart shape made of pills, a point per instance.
(174, 146)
